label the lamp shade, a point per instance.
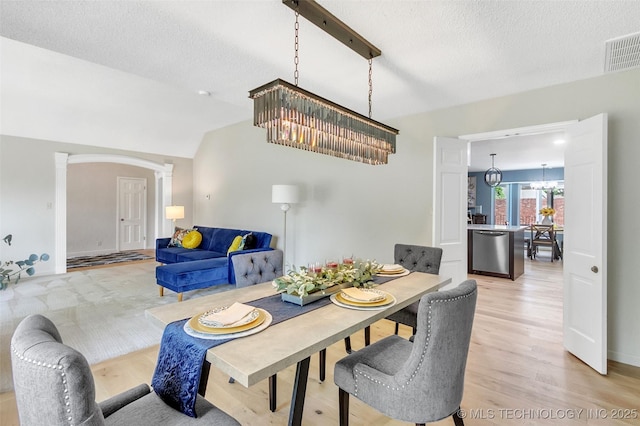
(174, 212)
(285, 194)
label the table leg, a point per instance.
(323, 364)
(299, 390)
(204, 377)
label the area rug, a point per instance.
(100, 312)
(105, 259)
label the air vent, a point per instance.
(622, 53)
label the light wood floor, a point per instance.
(517, 371)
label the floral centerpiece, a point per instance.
(304, 282)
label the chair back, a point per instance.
(433, 375)
(257, 267)
(418, 258)
(53, 383)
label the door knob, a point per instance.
(121, 219)
(594, 269)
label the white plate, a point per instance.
(250, 317)
(193, 333)
(360, 307)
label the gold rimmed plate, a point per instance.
(247, 319)
(195, 325)
(387, 300)
(379, 295)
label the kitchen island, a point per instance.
(496, 250)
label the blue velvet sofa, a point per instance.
(205, 266)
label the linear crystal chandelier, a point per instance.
(544, 184)
(300, 119)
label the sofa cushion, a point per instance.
(249, 241)
(223, 237)
(236, 244)
(178, 236)
(197, 254)
(185, 276)
(192, 240)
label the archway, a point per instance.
(164, 180)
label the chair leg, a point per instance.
(347, 344)
(179, 297)
(397, 328)
(161, 290)
(367, 336)
(273, 380)
(457, 420)
(343, 403)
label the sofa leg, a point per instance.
(179, 297)
(161, 290)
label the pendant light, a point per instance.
(493, 176)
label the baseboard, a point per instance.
(90, 253)
(624, 358)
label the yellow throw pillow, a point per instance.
(235, 245)
(192, 240)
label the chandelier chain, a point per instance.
(296, 60)
(370, 83)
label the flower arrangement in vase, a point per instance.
(548, 213)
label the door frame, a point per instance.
(538, 129)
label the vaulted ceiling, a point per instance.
(126, 74)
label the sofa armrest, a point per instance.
(231, 273)
(123, 399)
(162, 242)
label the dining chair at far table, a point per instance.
(415, 259)
(543, 235)
(54, 385)
(420, 381)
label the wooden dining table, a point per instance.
(254, 358)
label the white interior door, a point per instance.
(132, 213)
(585, 243)
(450, 206)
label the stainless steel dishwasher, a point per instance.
(491, 251)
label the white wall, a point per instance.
(367, 209)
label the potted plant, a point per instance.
(12, 270)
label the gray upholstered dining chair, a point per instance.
(414, 258)
(257, 267)
(419, 259)
(420, 381)
(54, 386)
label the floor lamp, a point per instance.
(173, 213)
(285, 195)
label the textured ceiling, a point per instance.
(126, 73)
